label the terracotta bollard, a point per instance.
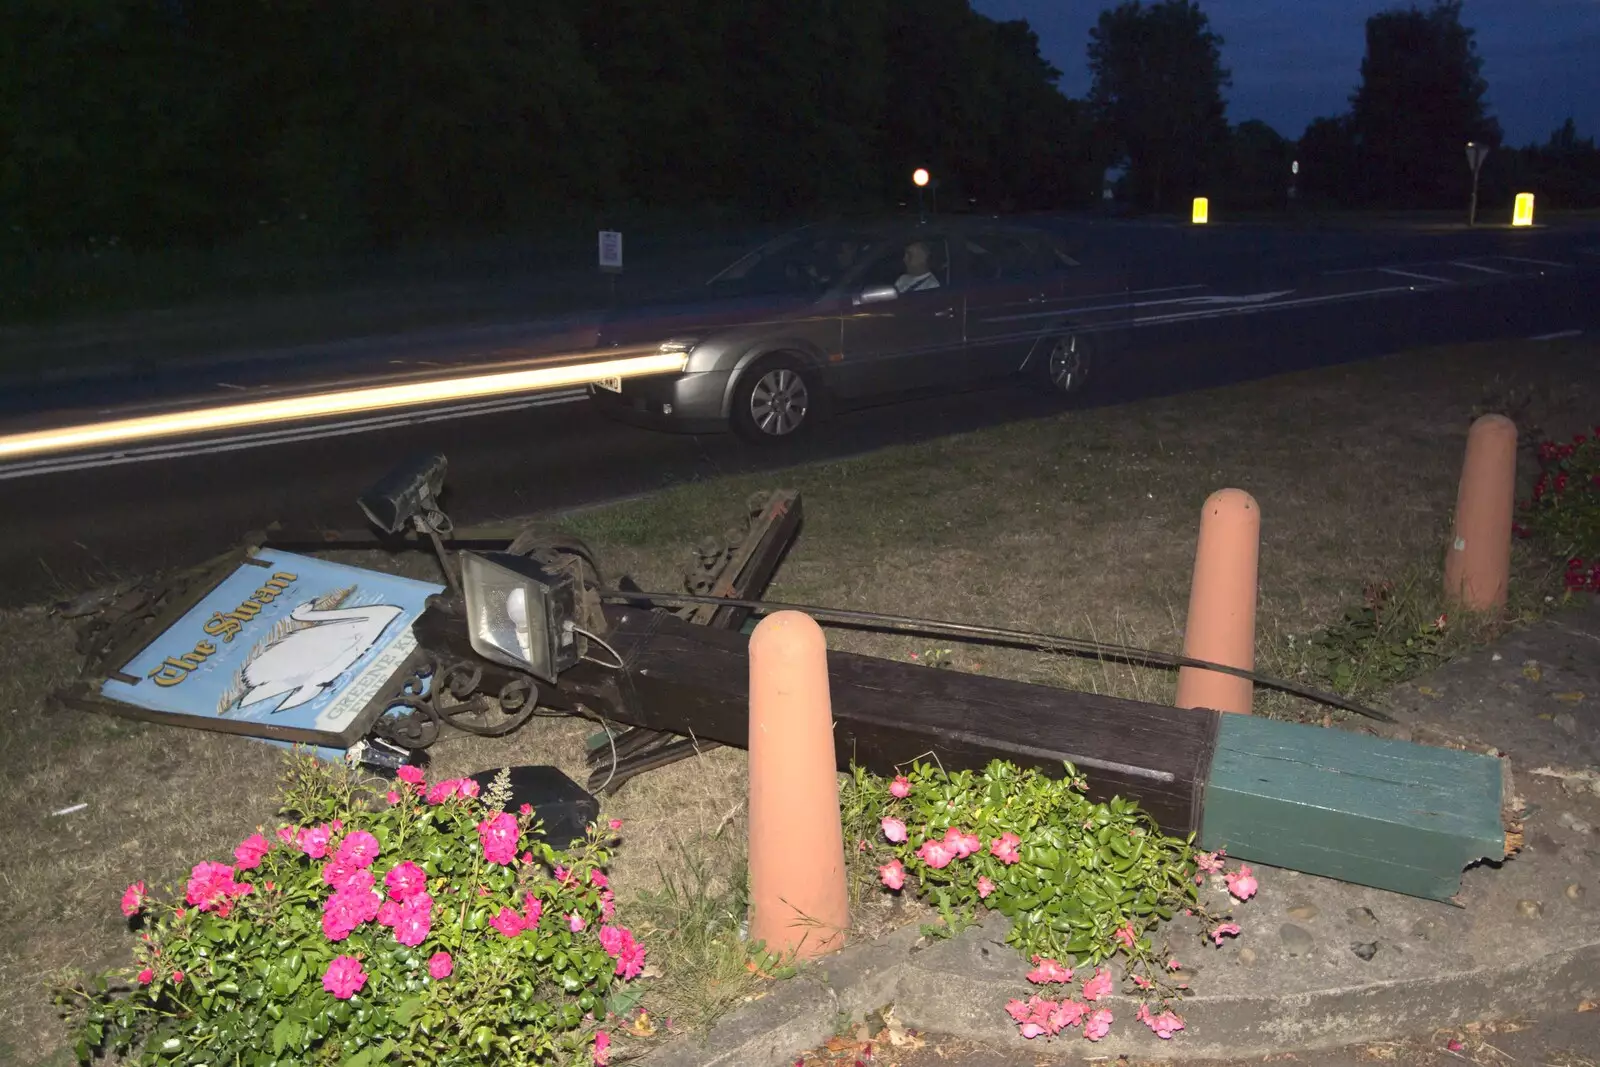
(798, 901)
(1222, 604)
(1477, 566)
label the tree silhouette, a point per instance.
(1157, 96)
(1421, 99)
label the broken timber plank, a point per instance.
(684, 678)
(1390, 814)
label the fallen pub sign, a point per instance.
(370, 666)
(285, 647)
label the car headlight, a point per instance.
(679, 345)
(520, 613)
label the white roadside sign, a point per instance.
(610, 250)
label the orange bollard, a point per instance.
(798, 902)
(1477, 566)
(1222, 603)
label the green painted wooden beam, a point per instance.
(1389, 814)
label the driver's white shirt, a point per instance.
(908, 282)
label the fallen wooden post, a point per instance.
(1394, 815)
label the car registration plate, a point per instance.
(612, 384)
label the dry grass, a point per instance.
(1081, 524)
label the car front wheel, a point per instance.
(1066, 365)
(775, 401)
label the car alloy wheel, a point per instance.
(1067, 365)
(779, 402)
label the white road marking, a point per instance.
(1558, 335)
(1536, 262)
(1397, 272)
(267, 438)
(1254, 309)
(1474, 266)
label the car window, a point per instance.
(796, 263)
(1004, 257)
(919, 264)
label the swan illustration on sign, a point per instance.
(309, 651)
(284, 645)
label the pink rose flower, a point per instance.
(961, 843)
(133, 899)
(508, 922)
(440, 965)
(247, 854)
(935, 854)
(1173, 964)
(532, 911)
(405, 881)
(177, 977)
(211, 885)
(314, 842)
(597, 878)
(146, 976)
(893, 829)
(499, 837)
(469, 787)
(1125, 936)
(1165, 1025)
(575, 922)
(1224, 930)
(344, 977)
(389, 912)
(620, 944)
(443, 790)
(1242, 884)
(1098, 986)
(615, 824)
(1018, 1010)
(392, 797)
(1006, 848)
(602, 1048)
(608, 905)
(358, 849)
(1098, 1024)
(414, 921)
(1142, 982)
(1048, 971)
(344, 911)
(410, 774)
(893, 875)
(286, 834)
(344, 877)
(526, 809)
(1210, 862)
(900, 787)
(1067, 1013)
(985, 887)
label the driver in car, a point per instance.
(918, 273)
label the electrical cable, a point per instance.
(872, 620)
(620, 665)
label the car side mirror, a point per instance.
(877, 295)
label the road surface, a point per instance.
(79, 519)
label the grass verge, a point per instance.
(1080, 524)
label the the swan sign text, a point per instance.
(286, 646)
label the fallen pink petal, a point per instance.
(1224, 930)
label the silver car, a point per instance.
(828, 317)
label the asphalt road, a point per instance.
(1349, 297)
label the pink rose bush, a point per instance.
(414, 906)
(1083, 884)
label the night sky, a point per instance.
(1295, 60)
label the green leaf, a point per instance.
(360, 1059)
(284, 1034)
(407, 1010)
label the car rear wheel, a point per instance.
(775, 401)
(1067, 361)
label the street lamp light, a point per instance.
(919, 178)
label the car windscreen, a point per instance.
(796, 264)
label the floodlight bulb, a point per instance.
(517, 607)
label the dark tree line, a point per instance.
(364, 121)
